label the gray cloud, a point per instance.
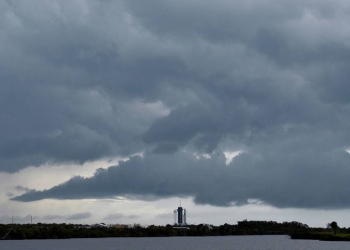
(164, 216)
(116, 216)
(9, 194)
(270, 177)
(133, 216)
(79, 216)
(22, 189)
(89, 80)
(53, 217)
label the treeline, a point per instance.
(325, 234)
(65, 231)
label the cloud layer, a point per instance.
(271, 178)
(89, 80)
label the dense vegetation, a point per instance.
(322, 235)
(332, 233)
(64, 231)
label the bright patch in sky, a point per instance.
(231, 155)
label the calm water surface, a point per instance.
(175, 243)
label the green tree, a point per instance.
(334, 226)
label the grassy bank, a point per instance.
(325, 236)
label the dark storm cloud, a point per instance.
(66, 95)
(85, 80)
(271, 177)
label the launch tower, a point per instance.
(180, 216)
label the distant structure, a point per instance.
(180, 216)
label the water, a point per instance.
(175, 243)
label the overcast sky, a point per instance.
(113, 111)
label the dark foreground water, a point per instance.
(175, 243)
